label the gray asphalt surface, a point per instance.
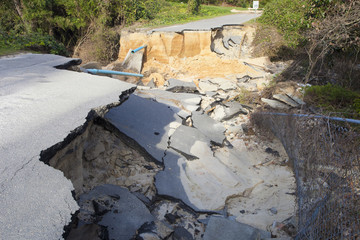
(39, 106)
(208, 24)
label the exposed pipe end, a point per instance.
(101, 71)
(138, 49)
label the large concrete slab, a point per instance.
(275, 104)
(147, 122)
(222, 228)
(173, 181)
(190, 142)
(286, 99)
(228, 111)
(39, 107)
(212, 129)
(208, 24)
(175, 85)
(195, 179)
(117, 209)
(223, 83)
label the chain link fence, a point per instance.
(325, 155)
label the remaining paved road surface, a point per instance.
(39, 107)
(208, 24)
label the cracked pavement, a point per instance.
(198, 164)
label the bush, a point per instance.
(338, 34)
(34, 42)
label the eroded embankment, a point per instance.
(100, 154)
(172, 178)
(105, 156)
(179, 161)
(192, 55)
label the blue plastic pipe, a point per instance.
(138, 49)
(314, 116)
(97, 71)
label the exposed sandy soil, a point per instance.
(199, 67)
(191, 55)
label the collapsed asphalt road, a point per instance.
(175, 162)
(174, 171)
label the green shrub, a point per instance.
(43, 43)
(34, 42)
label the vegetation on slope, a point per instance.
(38, 24)
(334, 99)
(322, 37)
(62, 26)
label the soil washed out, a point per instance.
(177, 163)
(191, 55)
(173, 157)
(178, 158)
(159, 176)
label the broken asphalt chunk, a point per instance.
(232, 109)
(194, 146)
(206, 86)
(182, 179)
(275, 104)
(222, 228)
(134, 61)
(223, 83)
(125, 214)
(175, 85)
(209, 127)
(296, 99)
(286, 99)
(173, 181)
(228, 111)
(148, 123)
(160, 229)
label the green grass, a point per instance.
(176, 13)
(334, 99)
(8, 51)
